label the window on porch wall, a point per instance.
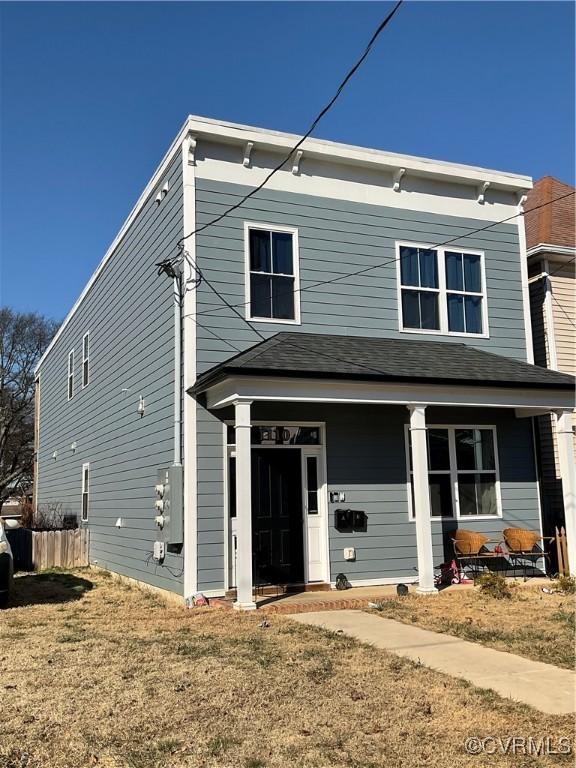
(462, 472)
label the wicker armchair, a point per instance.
(522, 546)
(470, 549)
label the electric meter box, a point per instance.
(170, 490)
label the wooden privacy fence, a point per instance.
(36, 550)
(562, 552)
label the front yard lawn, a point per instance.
(93, 673)
(530, 623)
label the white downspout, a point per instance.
(177, 372)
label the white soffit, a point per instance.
(235, 133)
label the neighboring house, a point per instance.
(376, 324)
(551, 251)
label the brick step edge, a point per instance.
(310, 606)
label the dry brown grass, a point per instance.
(96, 674)
(530, 623)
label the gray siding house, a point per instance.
(331, 378)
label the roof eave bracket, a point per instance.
(296, 163)
(399, 174)
(482, 192)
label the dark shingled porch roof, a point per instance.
(311, 355)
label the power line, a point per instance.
(554, 299)
(561, 308)
(394, 259)
(561, 267)
(291, 343)
(310, 130)
(331, 356)
(216, 336)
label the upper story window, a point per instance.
(464, 294)
(442, 291)
(70, 374)
(272, 281)
(420, 288)
(85, 360)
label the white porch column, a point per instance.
(421, 498)
(244, 586)
(568, 475)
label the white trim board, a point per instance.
(263, 138)
(386, 581)
(322, 178)
(190, 458)
(290, 389)
(557, 250)
(525, 290)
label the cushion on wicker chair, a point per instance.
(520, 540)
(468, 542)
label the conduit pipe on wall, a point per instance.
(177, 371)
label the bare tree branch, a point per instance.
(23, 338)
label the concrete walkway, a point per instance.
(543, 686)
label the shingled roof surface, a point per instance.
(359, 357)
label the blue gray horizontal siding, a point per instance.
(365, 448)
(338, 237)
(129, 314)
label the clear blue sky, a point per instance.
(92, 94)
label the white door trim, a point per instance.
(310, 450)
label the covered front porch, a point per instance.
(362, 466)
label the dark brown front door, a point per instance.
(277, 534)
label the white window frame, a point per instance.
(85, 492)
(70, 377)
(248, 225)
(442, 290)
(454, 472)
(85, 360)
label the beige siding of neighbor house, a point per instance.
(554, 343)
(550, 239)
(564, 314)
(563, 282)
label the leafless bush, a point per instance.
(26, 514)
(53, 516)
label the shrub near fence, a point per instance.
(37, 550)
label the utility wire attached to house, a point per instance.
(235, 307)
(364, 270)
(370, 369)
(381, 27)
(169, 265)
